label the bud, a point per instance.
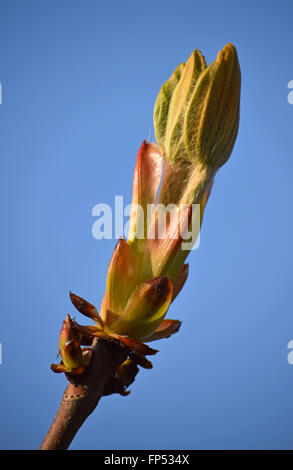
(144, 310)
(74, 359)
(212, 116)
(170, 106)
(146, 181)
(197, 130)
(127, 372)
(162, 104)
(121, 278)
(196, 118)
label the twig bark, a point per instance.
(83, 394)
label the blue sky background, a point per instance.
(79, 83)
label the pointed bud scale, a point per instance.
(84, 307)
(58, 368)
(69, 347)
(146, 181)
(67, 332)
(142, 361)
(86, 333)
(136, 348)
(144, 310)
(122, 277)
(165, 329)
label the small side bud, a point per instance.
(74, 359)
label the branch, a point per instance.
(83, 394)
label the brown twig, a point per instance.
(83, 394)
